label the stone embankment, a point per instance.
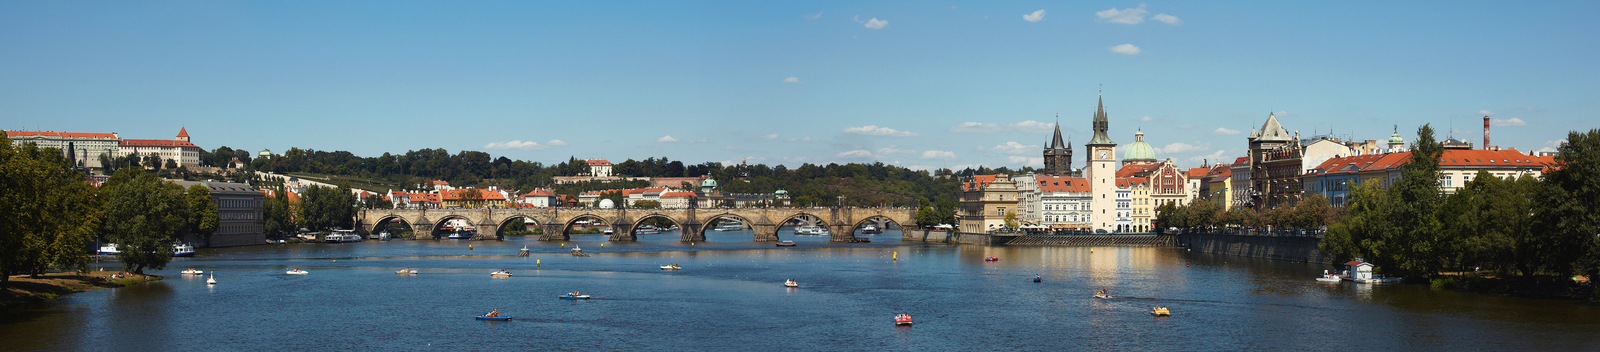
(1096, 240)
(1288, 248)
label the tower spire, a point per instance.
(1055, 142)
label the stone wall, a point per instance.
(1287, 248)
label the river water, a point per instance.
(729, 297)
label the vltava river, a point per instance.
(729, 297)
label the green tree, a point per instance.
(276, 211)
(1566, 214)
(646, 204)
(323, 208)
(202, 211)
(374, 201)
(149, 213)
(51, 214)
(1011, 220)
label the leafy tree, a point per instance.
(323, 208)
(50, 213)
(276, 211)
(202, 211)
(1566, 209)
(1011, 220)
(149, 212)
(374, 201)
(647, 204)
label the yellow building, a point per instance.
(472, 198)
(985, 202)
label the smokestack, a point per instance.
(1485, 132)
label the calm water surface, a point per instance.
(729, 297)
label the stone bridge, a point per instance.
(842, 222)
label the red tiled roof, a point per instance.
(1348, 164)
(81, 135)
(183, 132)
(1062, 184)
(156, 143)
(597, 162)
(1136, 169)
(539, 193)
(438, 182)
(1198, 172)
(677, 194)
(1243, 160)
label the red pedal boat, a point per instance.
(902, 319)
(991, 259)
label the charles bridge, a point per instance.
(842, 222)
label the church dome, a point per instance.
(1396, 139)
(1139, 150)
(708, 183)
(265, 152)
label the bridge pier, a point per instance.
(487, 232)
(621, 231)
(841, 233)
(554, 232)
(692, 232)
(765, 233)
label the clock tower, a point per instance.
(1102, 174)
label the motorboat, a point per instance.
(500, 273)
(108, 249)
(1329, 277)
(191, 271)
(1160, 312)
(609, 232)
(812, 231)
(1102, 296)
(870, 229)
(991, 259)
(213, 279)
(574, 295)
(785, 244)
(381, 236)
(791, 283)
(730, 226)
(406, 272)
(458, 235)
(182, 250)
(670, 267)
(902, 319)
(646, 230)
(296, 271)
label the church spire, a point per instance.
(1055, 143)
(1101, 124)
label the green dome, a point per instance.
(1139, 150)
(1396, 139)
(708, 183)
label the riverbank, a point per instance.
(24, 289)
(1538, 287)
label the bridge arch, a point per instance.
(646, 220)
(569, 222)
(709, 224)
(387, 223)
(879, 219)
(448, 224)
(504, 226)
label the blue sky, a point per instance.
(919, 84)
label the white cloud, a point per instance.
(1127, 49)
(666, 138)
(1123, 16)
(1508, 122)
(892, 150)
(1213, 158)
(1485, 113)
(1013, 148)
(1036, 16)
(1029, 126)
(1181, 147)
(872, 130)
(1147, 118)
(1224, 131)
(1025, 160)
(873, 23)
(792, 80)
(525, 145)
(1169, 19)
(806, 139)
(1552, 146)
(812, 17)
(769, 137)
(858, 153)
(938, 155)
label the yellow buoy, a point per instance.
(897, 256)
(537, 262)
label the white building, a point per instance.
(178, 150)
(541, 198)
(1239, 179)
(1124, 203)
(1064, 202)
(1029, 207)
(87, 147)
(599, 167)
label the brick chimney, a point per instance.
(1485, 132)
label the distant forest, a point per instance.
(875, 184)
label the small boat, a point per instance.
(902, 319)
(458, 235)
(296, 271)
(109, 248)
(1330, 278)
(670, 267)
(870, 230)
(1160, 312)
(991, 259)
(574, 295)
(494, 318)
(1036, 278)
(213, 279)
(501, 273)
(182, 250)
(191, 271)
(791, 283)
(406, 272)
(1102, 296)
(785, 244)
(608, 232)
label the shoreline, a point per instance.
(22, 289)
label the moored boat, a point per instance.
(109, 248)
(646, 230)
(786, 244)
(182, 250)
